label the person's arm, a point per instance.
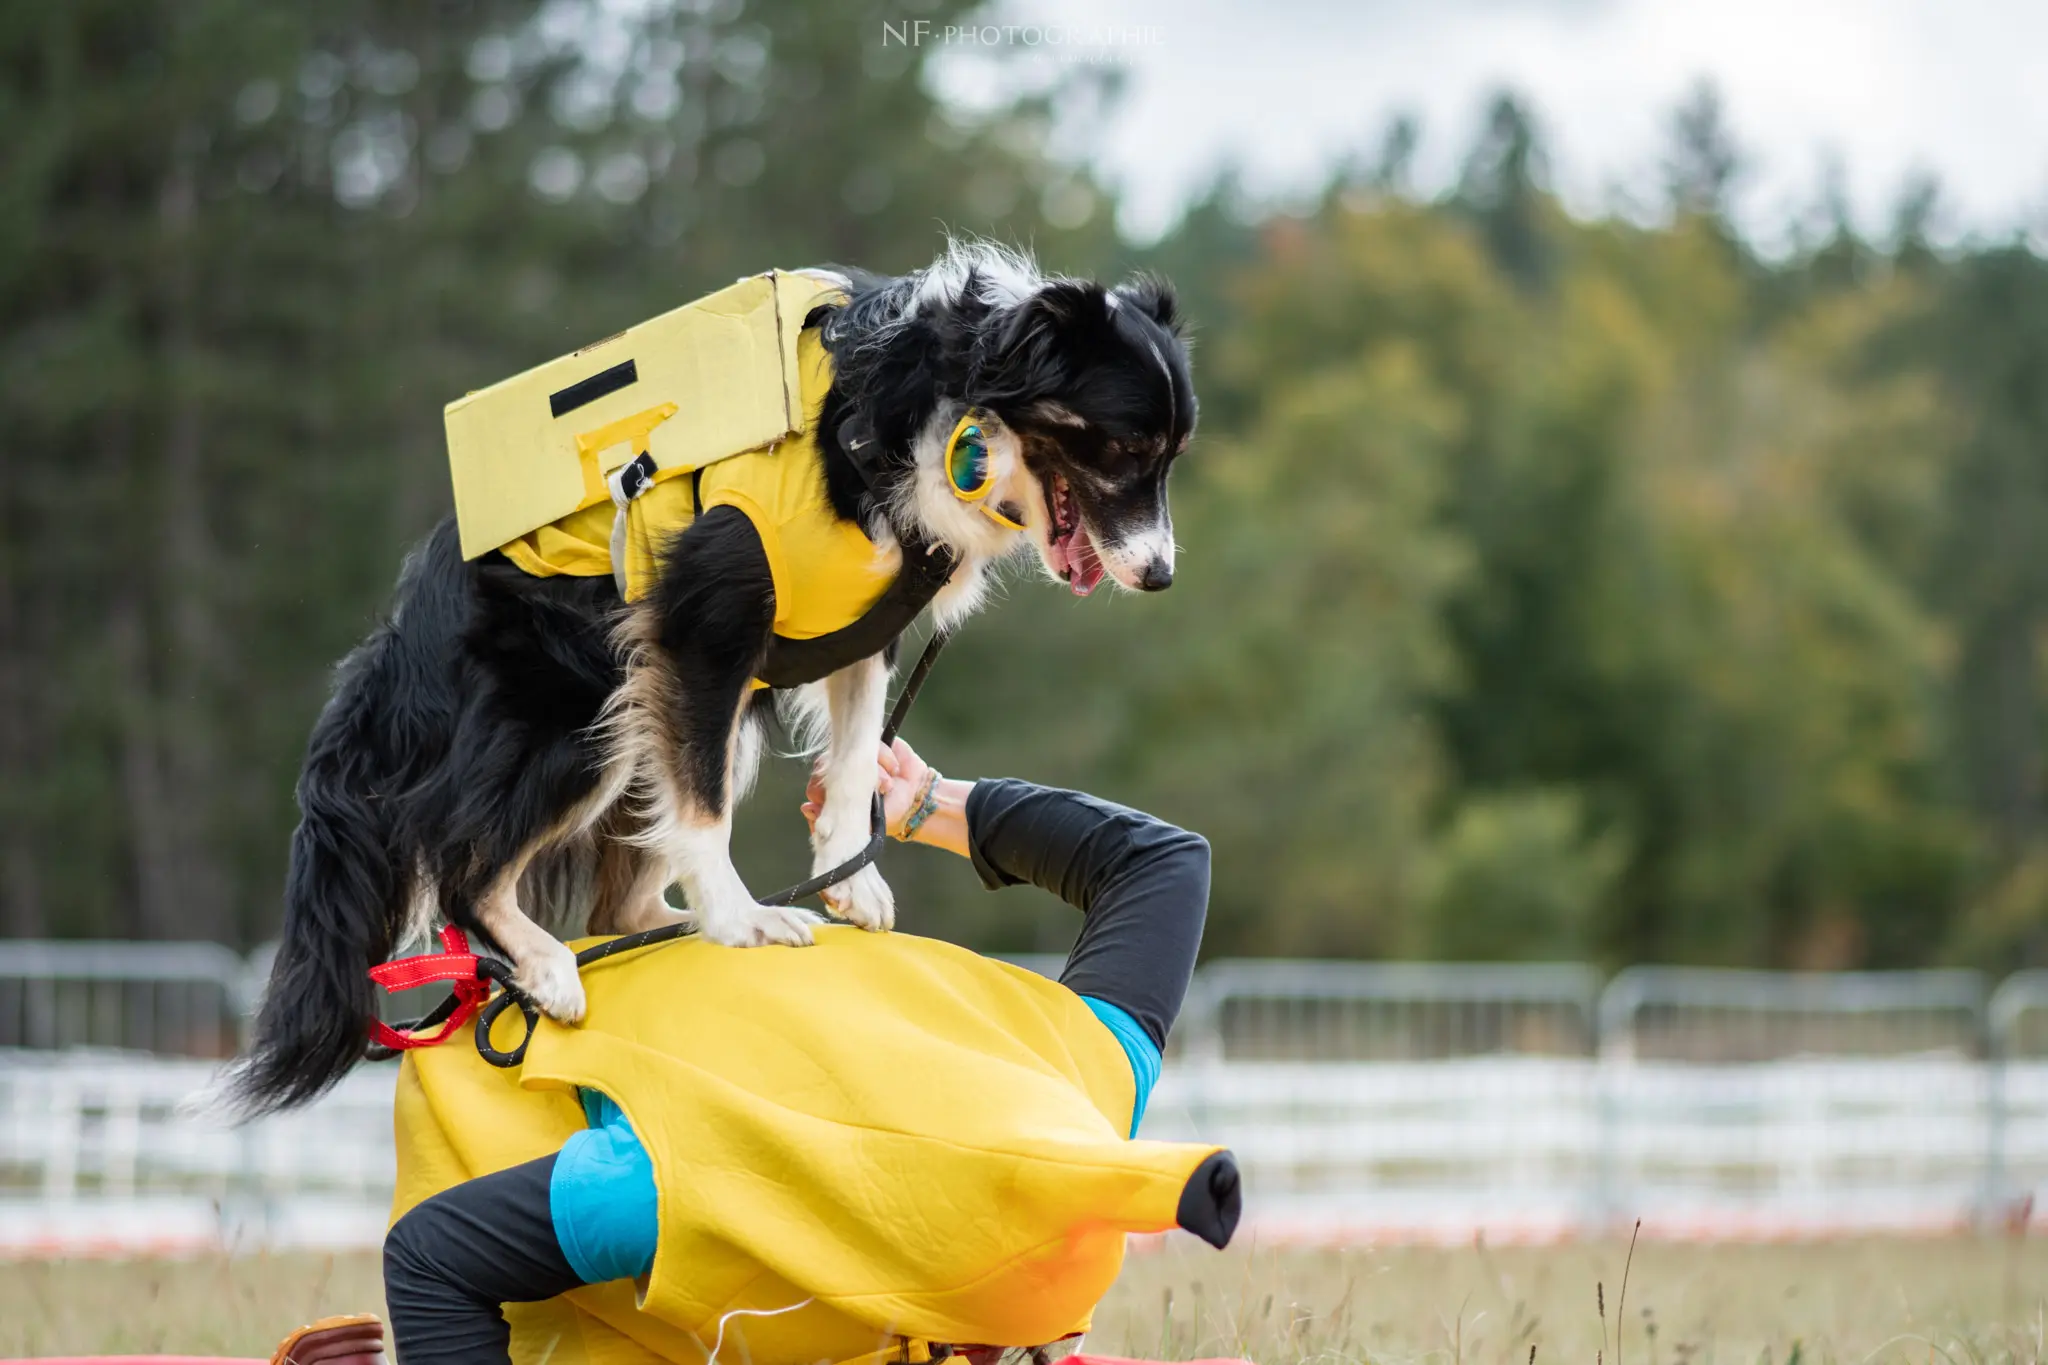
(1142, 883)
(918, 805)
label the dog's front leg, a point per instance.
(699, 639)
(694, 827)
(855, 698)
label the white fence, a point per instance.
(1323, 1012)
(1385, 1101)
(95, 1157)
(175, 999)
(1707, 1103)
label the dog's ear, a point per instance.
(1154, 298)
(1035, 349)
(1058, 307)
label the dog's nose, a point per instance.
(1158, 574)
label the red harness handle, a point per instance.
(457, 965)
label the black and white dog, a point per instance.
(507, 746)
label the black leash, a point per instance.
(501, 972)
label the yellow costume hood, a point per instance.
(913, 1142)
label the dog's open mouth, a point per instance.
(1072, 552)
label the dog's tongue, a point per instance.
(1084, 566)
(1073, 554)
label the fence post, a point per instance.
(1202, 1040)
(62, 1134)
(1614, 1047)
(2020, 992)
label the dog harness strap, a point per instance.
(926, 569)
(866, 452)
(456, 964)
(626, 483)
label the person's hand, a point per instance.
(900, 776)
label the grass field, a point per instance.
(1958, 1302)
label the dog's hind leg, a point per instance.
(522, 802)
(855, 698)
(632, 885)
(542, 965)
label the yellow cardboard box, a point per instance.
(711, 379)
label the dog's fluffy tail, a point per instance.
(344, 896)
(351, 880)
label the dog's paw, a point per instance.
(748, 925)
(864, 899)
(548, 976)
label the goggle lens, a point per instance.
(967, 461)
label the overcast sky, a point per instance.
(1884, 88)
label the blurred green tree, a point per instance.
(1677, 612)
(1503, 188)
(1986, 337)
(1517, 875)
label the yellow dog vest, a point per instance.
(912, 1142)
(827, 572)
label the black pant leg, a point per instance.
(453, 1260)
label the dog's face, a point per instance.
(1096, 403)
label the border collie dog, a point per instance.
(508, 751)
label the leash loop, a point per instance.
(510, 994)
(455, 964)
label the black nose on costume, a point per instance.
(1212, 1200)
(1158, 574)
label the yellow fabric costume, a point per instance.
(827, 572)
(913, 1142)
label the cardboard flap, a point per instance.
(711, 379)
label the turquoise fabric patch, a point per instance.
(601, 1197)
(1138, 1047)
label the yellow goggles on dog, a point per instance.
(969, 471)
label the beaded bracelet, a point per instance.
(927, 802)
